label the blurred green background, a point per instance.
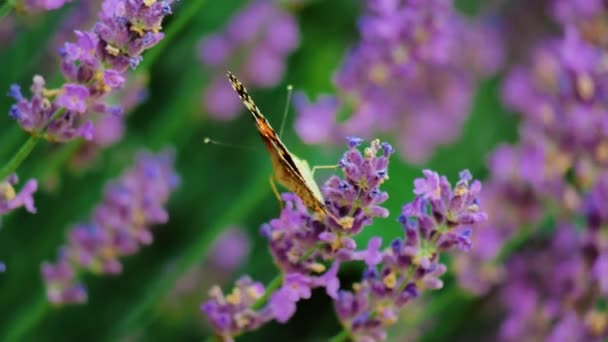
(220, 187)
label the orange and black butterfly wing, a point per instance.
(283, 161)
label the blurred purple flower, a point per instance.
(93, 66)
(61, 283)
(219, 99)
(564, 109)
(230, 249)
(560, 157)
(315, 121)
(11, 200)
(413, 73)
(588, 16)
(118, 227)
(35, 6)
(255, 44)
(555, 303)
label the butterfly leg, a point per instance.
(318, 167)
(273, 185)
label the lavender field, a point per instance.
(456, 184)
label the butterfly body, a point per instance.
(290, 171)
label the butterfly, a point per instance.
(290, 171)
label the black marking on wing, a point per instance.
(263, 125)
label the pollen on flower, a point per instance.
(149, 2)
(390, 280)
(112, 50)
(276, 235)
(601, 152)
(7, 191)
(378, 74)
(241, 320)
(597, 322)
(461, 190)
(400, 54)
(585, 86)
(137, 28)
(473, 208)
(318, 267)
(235, 297)
(346, 222)
(254, 292)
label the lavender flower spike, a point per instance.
(94, 65)
(438, 220)
(118, 227)
(356, 198)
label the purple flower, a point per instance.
(428, 187)
(372, 255)
(315, 121)
(413, 73)
(11, 200)
(219, 100)
(120, 224)
(230, 249)
(255, 44)
(283, 302)
(411, 265)
(232, 314)
(585, 14)
(61, 283)
(73, 97)
(94, 66)
(214, 50)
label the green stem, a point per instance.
(31, 315)
(6, 8)
(27, 148)
(19, 157)
(270, 289)
(342, 336)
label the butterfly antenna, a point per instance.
(289, 91)
(208, 140)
